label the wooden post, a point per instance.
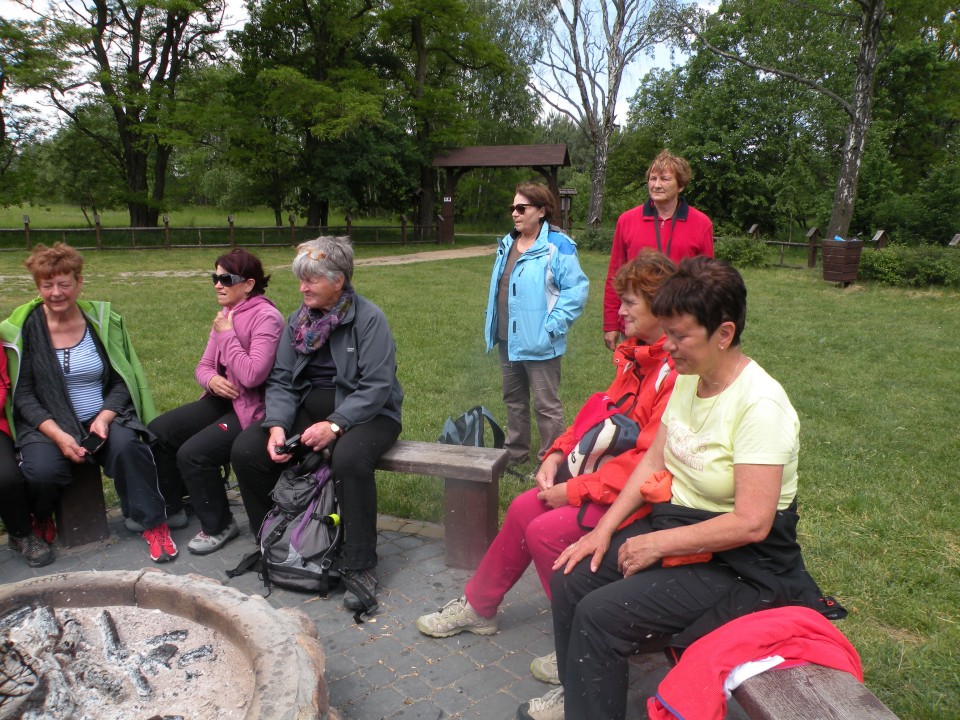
(96, 226)
(880, 239)
(349, 220)
(293, 232)
(813, 235)
(26, 230)
(754, 231)
(403, 229)
(230, 223)
(166, 230)
(955, 241)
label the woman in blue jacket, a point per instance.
(537, 290)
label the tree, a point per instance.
(776, 38)
(452, 64)
(587, 47)
(129, 55)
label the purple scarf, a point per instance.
(311, 329)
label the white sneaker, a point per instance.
(548, 707)
(204, 544)
(456, 616)
(545, 670)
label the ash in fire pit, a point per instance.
(118, 662)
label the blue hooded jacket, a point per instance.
(548, 291)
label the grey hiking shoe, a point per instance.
(456, 616)
(545, 670)
(203, 544)
(34, 550)
(548, 707)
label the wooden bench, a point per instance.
(471, 492)
(471, 496)
(809, 691)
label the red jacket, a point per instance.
(694, 688)
(691, 234)
(643, 383)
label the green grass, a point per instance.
(870, 369)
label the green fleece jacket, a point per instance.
(112, 335)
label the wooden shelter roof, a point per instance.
(504, 156)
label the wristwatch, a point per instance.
(335, 429)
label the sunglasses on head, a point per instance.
(521, 208)
(311, 253)
(227, 279)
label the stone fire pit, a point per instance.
(279, 646)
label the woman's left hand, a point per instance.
(637, 553)
(101, 423)
(318, 435)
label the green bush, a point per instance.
(591, 238)
(741, 251)
(912, 266)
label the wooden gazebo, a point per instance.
(545, 159)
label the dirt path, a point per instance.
(467, 252)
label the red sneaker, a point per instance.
(162, 547)
(46, 530)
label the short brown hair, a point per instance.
(710, 290)
(644, 274)
(539, 195)
(47, 262)
(680, 168)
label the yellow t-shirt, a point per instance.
(751, 422)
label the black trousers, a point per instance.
(600, 619)
(14, 505)
(125, 457)
(192, 443)
(353, 462)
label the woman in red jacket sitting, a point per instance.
(544, 520)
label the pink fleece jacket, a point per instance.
(244, 355)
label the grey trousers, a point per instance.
(541, 378)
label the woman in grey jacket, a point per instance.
(334, 381)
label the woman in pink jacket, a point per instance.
(193, 441)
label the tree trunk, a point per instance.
(598, 180)
(845, 196)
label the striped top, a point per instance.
(83, 372)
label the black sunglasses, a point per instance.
(227, 279)
(521, 208)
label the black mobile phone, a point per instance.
(92, 442)
(292, 444)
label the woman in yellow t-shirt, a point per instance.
(724, 546)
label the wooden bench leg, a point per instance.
(471, 511)
(82, 512)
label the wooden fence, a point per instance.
(166, 237)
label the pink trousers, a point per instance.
(532, 530)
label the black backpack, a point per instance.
(301, 536)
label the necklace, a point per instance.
(715, 397)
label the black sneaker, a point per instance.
(34, 550)
(361, 592)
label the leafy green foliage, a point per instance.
(912, 266)
(741, 251)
